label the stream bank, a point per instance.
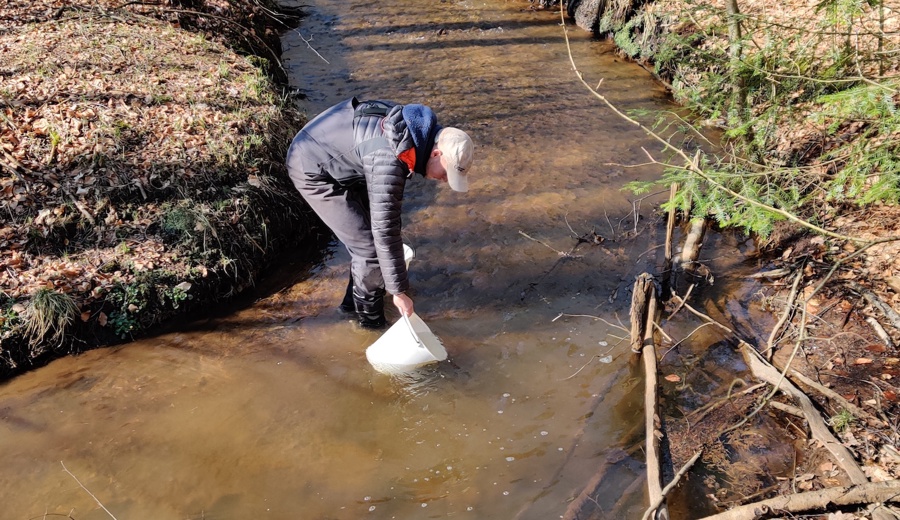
(142, 168)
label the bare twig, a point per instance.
(788, 310)
(671, 485)
(311, 47)
(838, 398)
(876, 302)
(526, 235)
(87, 491)
(590, 316)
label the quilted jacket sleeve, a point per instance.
(385, 179)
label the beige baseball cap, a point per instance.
(459, 152)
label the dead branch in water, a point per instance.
(763, 370)
(576, 439)
(581, 508)
(87, 490)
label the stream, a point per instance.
(271, 411)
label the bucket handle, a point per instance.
(411, 331)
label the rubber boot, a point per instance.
(369, 309)
(348, 306)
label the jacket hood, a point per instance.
(423, 128)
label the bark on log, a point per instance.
(643, 285)
(692, 243)
(869, 493)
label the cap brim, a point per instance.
(458, 182)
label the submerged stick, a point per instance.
(87, 491)
(788, 310)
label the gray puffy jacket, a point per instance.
(378, 148)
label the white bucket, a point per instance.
(407, 345)
(408, 254)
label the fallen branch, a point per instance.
(838, 398)
(671, 485)
(630, 492)
(651, 417)
(786, 408)
(766, 372)
(707, 408)
(879, 330)
(876, 302)
(583, 505)
(576, 439)
(670, 231)
(692, 243)
(868, 493)
(687, 296)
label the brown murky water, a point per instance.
(273, 412)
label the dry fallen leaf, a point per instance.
(862, 361)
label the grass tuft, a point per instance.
(49, 314)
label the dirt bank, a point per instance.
(142, 167)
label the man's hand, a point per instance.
(404, 303)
